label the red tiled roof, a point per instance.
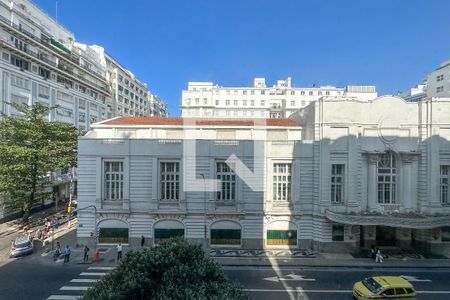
(198, 121)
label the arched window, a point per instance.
(387, 178)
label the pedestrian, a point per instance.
(142, 241)
(372, 252)
(66, 254)
(86, 253)
(119, 252)
(379, 257)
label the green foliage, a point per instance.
(173, 270)
(30, 148)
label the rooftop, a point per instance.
(178, 121)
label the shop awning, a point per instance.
(402, 220)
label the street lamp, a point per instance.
(71, 190)
(204, 206)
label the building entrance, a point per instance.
(385, 236)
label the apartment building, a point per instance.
(206, 99)
(439, 81)
(40, 61)
(339, 175)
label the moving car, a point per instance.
(384, 287)
(21, 246)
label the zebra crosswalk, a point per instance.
(75, 288)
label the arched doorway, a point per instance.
(113, 231)
(166, 229)
(281, 233)
(225, 233)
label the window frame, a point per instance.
(120, 181)
(334, 184)
(389, 184)
(444, 185)
(286, 184)
(232, 182)
(176, 182)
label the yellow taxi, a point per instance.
(384, 287)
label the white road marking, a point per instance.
(74, 288)
(84, 280)
(63, 297)
(300, 294)
(331, 291)
(292, 277)
(92, 274)
(101, 268)
(414, 279)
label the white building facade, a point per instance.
(339, 175)
(205, 99)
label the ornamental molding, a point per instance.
(112, 216)
(394, 220)
(171, 216)
(225, 217)
(271, 218)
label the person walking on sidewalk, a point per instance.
(86, 253)
(119, 252)
(379, 257)
(66, 254)
(142, 241)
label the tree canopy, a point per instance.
(175, 269)
(30, 148)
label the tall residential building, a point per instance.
(439, 81)
(40, 61)
(341, 174)
(205, 99)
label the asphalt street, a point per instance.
(37, 277)
(330, 283)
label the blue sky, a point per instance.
(392, 44)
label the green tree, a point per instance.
(172, 270)
(30, 148)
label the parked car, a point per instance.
(21, 246)
(384, 287)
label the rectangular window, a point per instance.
(227, 182)
(263, 103)
(163, 234)
(64, 112)
(170, 181)
(263, 92)
(252, 102)
(20, 82)
(205, 101)
(44, 91)
(235, 102)
(439, 89)
(337, 183)
(445, 234)
(82, 104)
(311, 93)
(444, 184)
(244, 102)
(252, 92)
(113, 180)
(292, 103)
(282, 237)
(281, 182)
(217, 102)
(113, 235)
(439, 77)
(227, 102)
(337, 233)
(225, 236)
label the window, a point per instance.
(337, 183)
(445, 234)
(217, 102)
(386, 178)
(252, 92)
(82, 104)
(244, 92)
(20, 82)
(337, 232)
(389, 292)
(205, 101)
(281, 182)
(263, 103)
(197, 101)
(263, 92)
(113, 235)
(17, 99)
(252, 102)
(327, 93)
(444, 184)
(440, 77)
(44, 91)
(320, 93)
(64, 112)
(439, 89)
(227, 102)
(303, 102)
(292, 103)
(235, 102)
(281, 237)
(21, 63)
(162, 234)
(5, 56)
(225, 236)
(227, 182)
(399, 291)
(113, 180)
(82, 117)
(311, 93)
(244, 102)
(170, 180)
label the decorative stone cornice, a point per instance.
(112, 216)
(393, 220)
(226, 216)
(173, 216)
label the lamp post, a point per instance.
(70, 194)
(204, 207)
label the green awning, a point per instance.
(59, 46)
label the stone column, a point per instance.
(406, 186)
(371, 184)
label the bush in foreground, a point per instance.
(174, 270)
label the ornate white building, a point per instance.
(340, 174)
(204, 99)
